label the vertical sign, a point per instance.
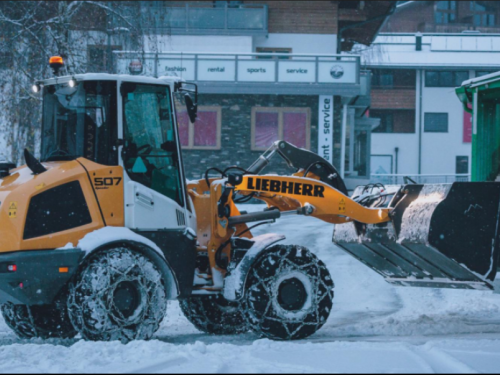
(325, 128)
(467, 137)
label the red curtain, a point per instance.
(295, 128)
(183, 122)
(266, 129)
(205, 129)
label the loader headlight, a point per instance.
(36, 88)
(72, 82)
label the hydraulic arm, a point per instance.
(413, 235)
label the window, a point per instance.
(396, 78)
(436, 122)
(273, 50)
(205, 133)
(382, 78)
(482, 14)
(394, 121)
(150, 152)
(445, 12)
(462, 165)
(445, 78)
(56, 210)
(480, 73)
(289, 124)
(80, 122)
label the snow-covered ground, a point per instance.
(374, 327)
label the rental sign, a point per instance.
(228, 68)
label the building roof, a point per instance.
(364, 31)
(439, 51)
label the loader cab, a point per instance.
(121, 120)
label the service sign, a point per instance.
(337, 72)
(224, 69)
(256, 71)
(297, 71)
(177, 67)
(216, 70)
(325, 128)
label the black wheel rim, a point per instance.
(292, 294)
(126, 298)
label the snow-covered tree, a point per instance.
(31, 32)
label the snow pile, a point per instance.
(374, 327)
(417, 217)
(346, 233)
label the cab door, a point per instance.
(154, 189)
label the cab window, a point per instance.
(150, 153)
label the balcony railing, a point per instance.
(246, 67)
(457, 28)
(199, 18)
(399, 179)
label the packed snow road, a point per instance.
(374, 327)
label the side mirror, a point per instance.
(192, 108)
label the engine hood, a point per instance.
(16, 192)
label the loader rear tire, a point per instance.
(40, 321)
(289, 294)
(214, 315)
(118, 295)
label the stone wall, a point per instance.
(236, 132)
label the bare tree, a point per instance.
(31, 32)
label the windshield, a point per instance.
(150, 154)
(80, 122)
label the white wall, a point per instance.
(384, 144)
(439, 150)
(299, 43)
(199, 43)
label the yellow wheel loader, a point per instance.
(102, 230)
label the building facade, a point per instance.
(424, 51)
(265, 70)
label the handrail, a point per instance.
(258, 54)
(420, 178)
(203, 17)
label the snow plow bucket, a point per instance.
(440, 236)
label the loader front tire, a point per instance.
(214, 315)
(289, 294)
(39, 321)
(118, 295)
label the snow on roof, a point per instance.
(483, 79)
(113, 77)
(439, 51)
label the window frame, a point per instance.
(481, 13)
(446, 13)
(191, 145)
(280, 111)
(459, 158)
(269, 50)
(382, 112)
(454, 73)
(437, 113)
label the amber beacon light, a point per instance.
(56, 63)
